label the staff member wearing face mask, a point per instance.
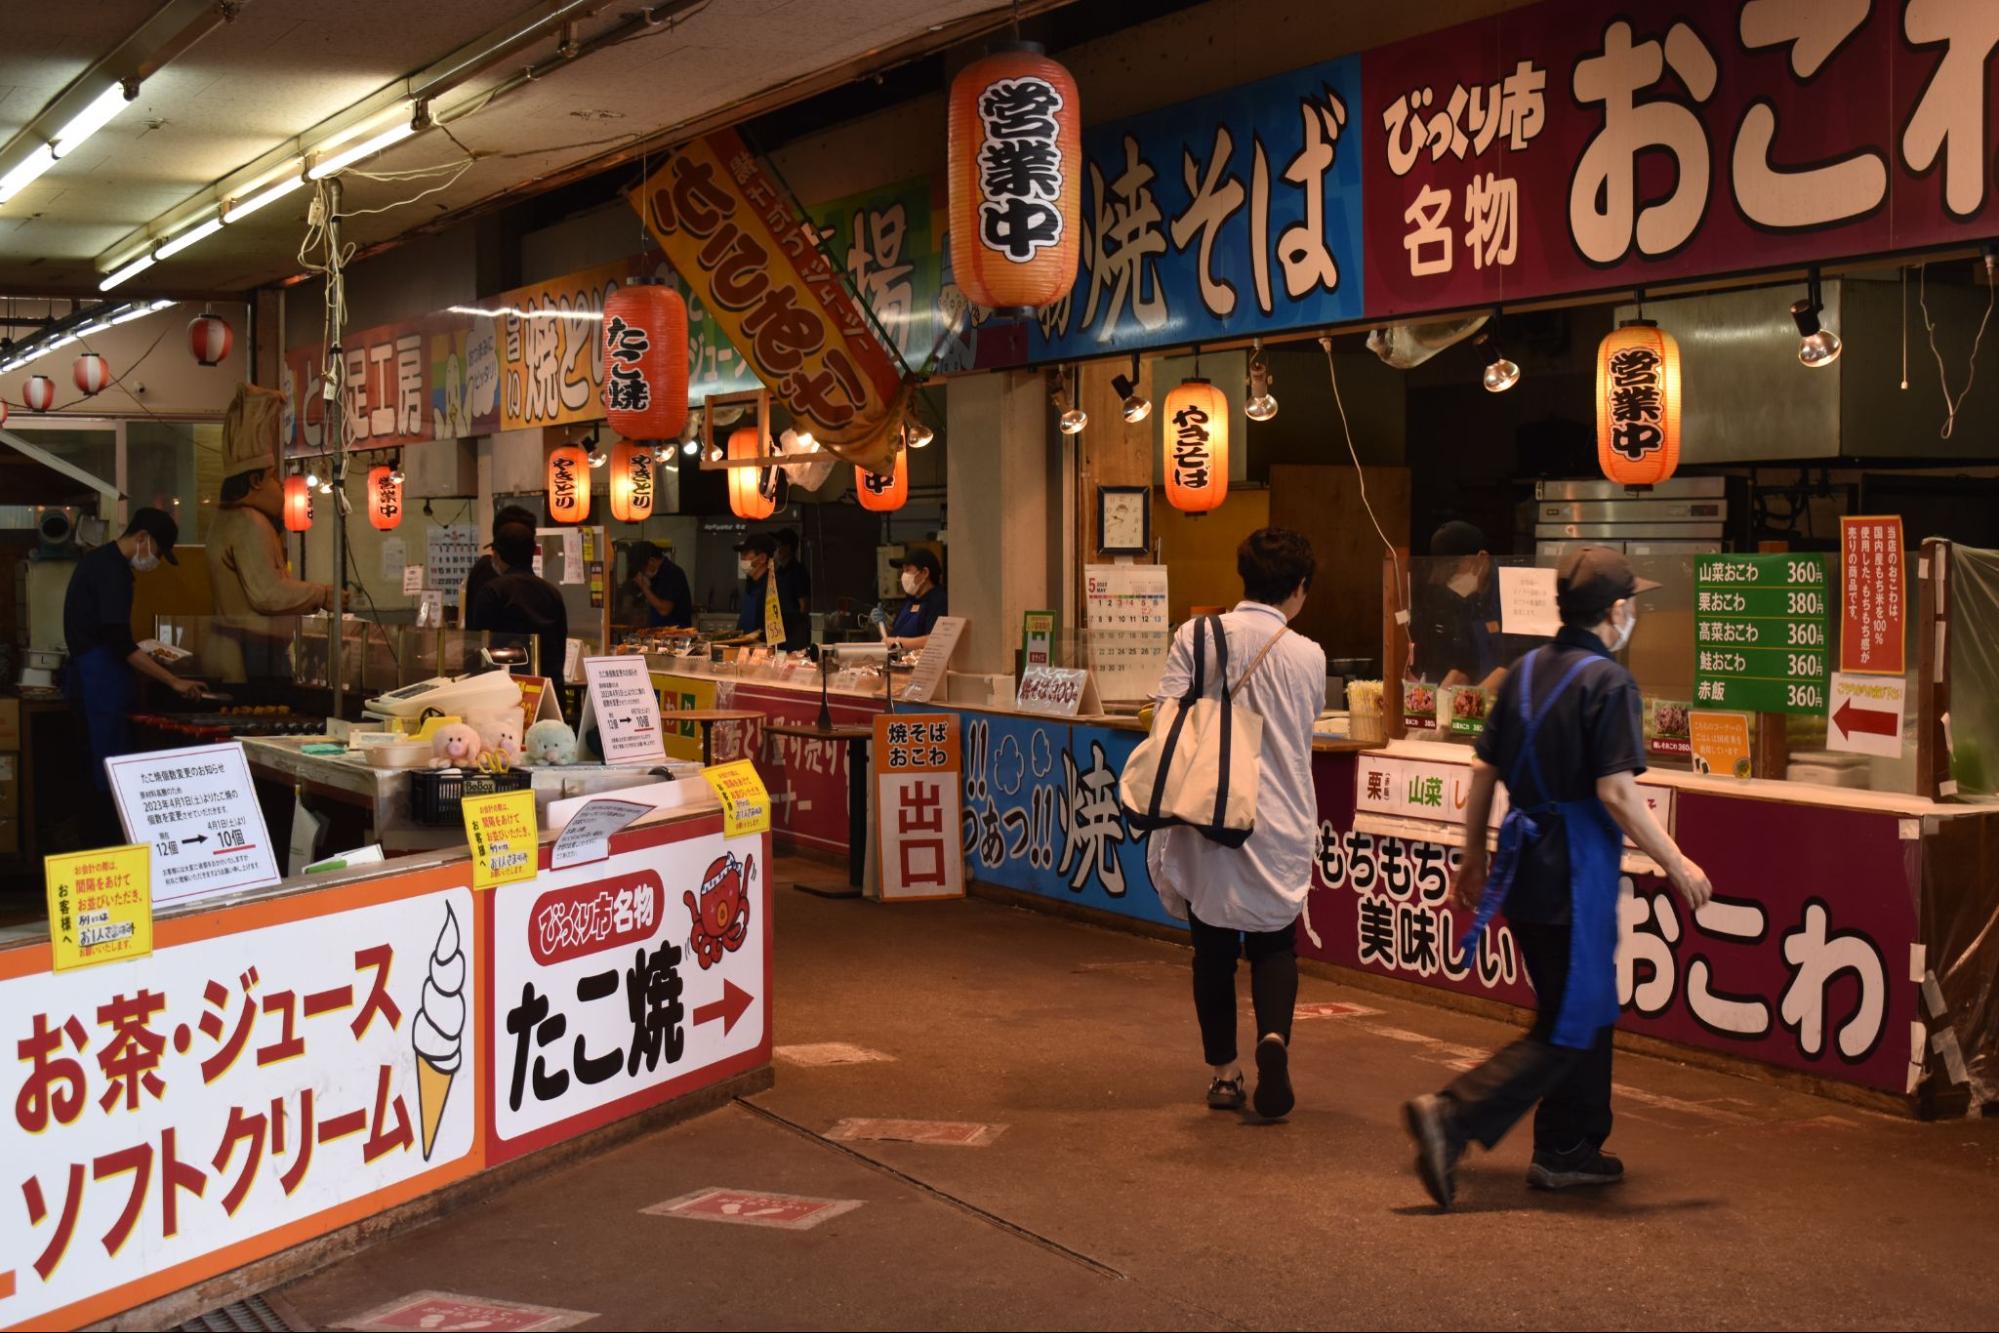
(771, 611)
(97, 626)
(1456, 638)
(923, 585)
(1564, 736)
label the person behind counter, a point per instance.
(1455, 638)
(923, 585)
(519, 601)
(771, 611)
(97, 627)
(482, 571)
(648, 597)
(790, 567)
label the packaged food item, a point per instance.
(1419, 705)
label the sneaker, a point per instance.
(1225, 1094)
(1274, 1098)
(1438, 1146)
(1585, 1166)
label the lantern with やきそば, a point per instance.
(568, 484)
(298, 505)
(746, 497)
(645, 362)
(884, 494)
(385, 498)
(1197, 447)
(1638, 404)
(632, 478)
(1016, 201)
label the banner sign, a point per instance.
(430, 378)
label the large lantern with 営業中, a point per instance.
(746, 497)
(568, 484)
(884, 494)
(632, 478)
(1638, 404)
(1197, 447)
(298, 505)
(645, 361)
(1016, 202)
(385, 498)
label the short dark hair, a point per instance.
(786, 537)
(512, 514)
(1273, 563)
(514, 543)
(235, 488)
(1457, 538)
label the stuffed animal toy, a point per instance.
(551, 742)
(500, 735)
(456, 746)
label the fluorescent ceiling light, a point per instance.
(89, 120)
(241, 208)
(132, 312)
(189, 237)
(395, 134)
(25, 172)
(117, 276)
(498, 311)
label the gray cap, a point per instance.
(1593, 578)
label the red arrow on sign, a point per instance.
(729, 1008)
(1850, 719)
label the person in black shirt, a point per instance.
(791, 569)
(482, 571)
(97, 629)
(1564, 735)
(1455, 637)
(519, 601)
(923, 584)
(760, 571)
(673, 598)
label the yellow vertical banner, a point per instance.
(500, 829)
(100, 905)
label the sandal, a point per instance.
(1226, 1094)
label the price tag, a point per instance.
(100, 905)
(745, 803)
(500, 829)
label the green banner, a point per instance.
(1762, 633)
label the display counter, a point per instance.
(311, 1057)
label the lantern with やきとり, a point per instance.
(1197, 447)
(632, 478)
(1638, 404)
(91, 373)
(209, 337)
(1016, 202)
(385, 498)
(884, 494)
(568, 484)
(645, 362)
(298, 505)
(746, 497)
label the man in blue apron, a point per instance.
(1565, 737)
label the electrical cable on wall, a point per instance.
(1950, 404)
(1360, 475)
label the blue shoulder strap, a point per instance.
(1528, 759)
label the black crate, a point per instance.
(437, 795)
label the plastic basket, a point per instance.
(437, 795)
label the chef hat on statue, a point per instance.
(250, 430)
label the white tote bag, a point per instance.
(1199, 764)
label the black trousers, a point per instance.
(1571, 1086)
(1273, 983)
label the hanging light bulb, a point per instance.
(1818, 346)
(1068, 418)
(1137, 407)
(1500, 374)
(325, 487)
(692, 448)
(920, 435)
(597, 456)
(1259, 404)
(716, 453)
(311, 477)
(396, 471)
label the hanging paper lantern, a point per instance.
(632, 476)
(645, 362)
(39, 393)
(3, 413)
(1197, 447)
(385, 498)
(210, 337)
(298, 505)
(91, 374)
(1016, 192)
(746, 497)
(1638, 404)
(568, 484)
(884, 494)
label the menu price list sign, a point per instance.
(1762, 633)
(1130, 634)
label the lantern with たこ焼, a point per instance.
(645, 362)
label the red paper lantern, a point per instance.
(1016, 194)
(385, 498)
(1638, 404)
(632, 475)
(645, 362)
(91, 374)
(568, 484)
(746, 497)
(1197, 447)
(3, 413)
(210, 337)
(298, 505)
(884, 494)
(39, 393)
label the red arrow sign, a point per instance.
(1850, 719)
(729, 1008)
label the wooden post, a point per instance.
(1394, 639)
(1933, 779)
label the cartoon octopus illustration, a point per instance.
(722, 917)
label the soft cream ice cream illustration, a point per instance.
(438, 1034)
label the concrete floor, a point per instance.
(1114, 1199)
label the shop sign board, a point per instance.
(809, 778)
(1762, 633)
(938, 650)
(430, 378)
(271, 1073)
(1865, 714)
(1439, 791)
(916, 801)
(1052, 691)
(1874, 605)
(197, 809)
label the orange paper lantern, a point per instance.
(1197, 447)
(632, 481)
(746, 497)
(1638, 404)
(385, 498)
(645, 363)
(298, 505)
(884, 494)
(1016, 179)
(568, 484)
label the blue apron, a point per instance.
(101, 687)
(1596, 856)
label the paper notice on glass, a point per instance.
(626, 710)
(412, 580)
(1527, 603)
(395, 555)
(573, 569)
(538, 562)
(430, 609)
(587, 835)
(450, 557)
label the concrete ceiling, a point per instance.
(282, 66)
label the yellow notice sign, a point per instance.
(500, 829)
(1720, 743)
(745, 803)
(100, 905)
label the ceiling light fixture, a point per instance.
(131, 270)
(1137, 407)
(192, 236)
(322, 166)
(234, 210)
(1259, 404)
(1500, 374)
(1818, 346)
(91, 119)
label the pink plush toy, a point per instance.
(502, 737)
(456, 746)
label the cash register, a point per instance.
(454, 696)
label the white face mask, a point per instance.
(743, 569)
(1621, 636)
(1463, 584)
(909, 581)
(146, 561)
